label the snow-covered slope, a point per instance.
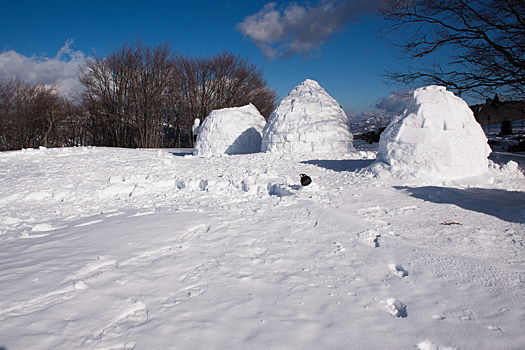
(436, 136)
(369, 124)
(231, 131)
(307, 120)
(155, 249)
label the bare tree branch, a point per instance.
(480, 44)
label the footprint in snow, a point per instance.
(94, 269)
(153, 255)
(195, 232)
(252, 252)
(134, 315)
(398, 270)
(200, 271)
(184, 295)
(41, 302)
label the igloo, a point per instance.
(234, 130)
(436, 136)
(307, 120)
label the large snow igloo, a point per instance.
(437, 135)
(234, 130)
(307, 120)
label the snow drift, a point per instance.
(234, 130)
(436, 136)
(307, 120)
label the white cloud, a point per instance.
(62, 68)
(299, 29)
(394, 104)
(389, 106)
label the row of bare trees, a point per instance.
(142, 96)
(33, 115)
(135, 96)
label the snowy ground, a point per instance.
(155, 249)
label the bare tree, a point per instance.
(472, 46)
(237, 83)
(128, 95)
(30, 114)
(141, 96)
(222, 81)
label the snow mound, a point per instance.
(437, 136)
(307, 120)
(234, 130)
(396, 308)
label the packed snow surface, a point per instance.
(437, 136)
(307, 120)
(107, 248)
(234, 130)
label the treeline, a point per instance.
(135, 96)
(33, 115)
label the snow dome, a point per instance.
(437, 135)
(232, 131)
(307, 120)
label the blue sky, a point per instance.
(48, 40)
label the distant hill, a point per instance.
(369, 124)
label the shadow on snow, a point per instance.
(181, 152)
(505, 205)
(341, 164)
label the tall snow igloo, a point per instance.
(235, 130)
(307, 120)
(436, 136)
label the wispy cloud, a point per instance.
(62, 68)
(299, 29)
(388, 106)
(393, 104)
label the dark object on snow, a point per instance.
(305, 180)
(506, 128)
(450, 223)
(371, 136)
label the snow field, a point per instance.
(158, 249)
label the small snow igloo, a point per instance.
(436, 136)
(234, 130)
(307, 120)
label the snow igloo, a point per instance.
(234, 130)
(436, 136)
(307, 120)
